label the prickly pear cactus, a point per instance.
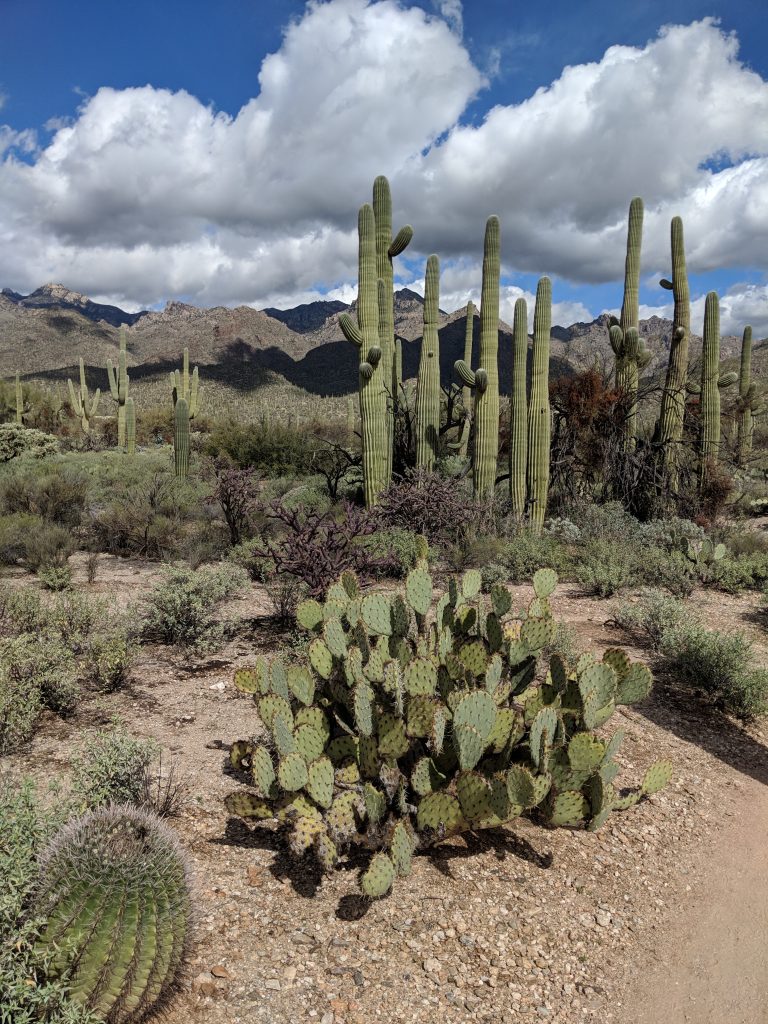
(420, 715)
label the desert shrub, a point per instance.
(57, 494)
(236, 492)
(315, 547)
(493, 573)
(606, 567)
(565, 644)
(473, 551)
(380, 770)
(651, 616)
(744, 572)
(55, 577)
(20, 707)
(397, 549)
(284, 592)
(562, 529)
(14, 530)
(180, 607)
(524, 553)
(657, 568)
(108, 656)
(47, 546)
(270, 449)
(22, 610)
(609, 522)
(432, 506)
(719, 663)
(37, 671)
(745, 542)
(112, 767)
(16, 441)
(668, 534)
(32, 991)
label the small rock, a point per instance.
(302, 939)
(327, 1018)
(273, 984)
(254, 874)
(221, 685)
(220, 971)
(432, 965)
(203, 984)
(603, 918)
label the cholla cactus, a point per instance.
(80, 402)
(114, 890)
(119, 384)
(405, 725)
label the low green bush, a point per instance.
(17, 441)
(112, 767)
(607, 566)
(55, 577)
(56, 492)
(14, 531)
(526, 552)
(748, 571)
(403, 547)
(180, 608)
(651, 616)
(36, 672)
(272, 449)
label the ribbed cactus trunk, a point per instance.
(428, 384)
(672, 412)
(709, 445)
(365, 336)
(386, 250)
(185, 386)
(398, 369)
(181, 438)
(518, 412)
(119, 384)
(80, 402)
(466, 392)
(746, 425)
(19, 401)
(130, 427)
(539, 425)
(624, 337)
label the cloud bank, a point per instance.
(149, 194)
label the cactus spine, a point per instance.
(386, 250)
(119, 384)
(130, 427)
(518, 412)
(181, 438)
(539, 426)
(115, 891)
(630, 354)
(79, 401)
(428, 384)
(186, 387)
(19, 401)
(485, 379)
(466, 392)
(365, 336)
(672, 412)
(750, 407)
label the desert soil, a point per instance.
(660, 916)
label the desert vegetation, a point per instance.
(380, 576)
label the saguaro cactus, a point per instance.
(181, 438)
(19, 401)
(386, 249)
(466, 392)
(539, 425)
(428, 384)
(631, 356)
(130, 427)
(672, 412)
(518, 412)
(485, 380)
(365, 336)
(750, 406)
(119, 383)
(115, 893)
(186, 387)
(79, 401)
(711, 383)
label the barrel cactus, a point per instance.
(485, 379)
(413, 719)
(82, 405)
(114, 890)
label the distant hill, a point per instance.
(44, 334)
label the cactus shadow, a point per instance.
(497, 841)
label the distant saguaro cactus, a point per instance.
(185, 386)
(750, 406)
(711, 383)
(181, 438)
(81, 405)
(119, 384)
(539, 421)
(672, 412)
(130, 427)
(428, 384)
(518, 412)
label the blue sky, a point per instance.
(77, 193)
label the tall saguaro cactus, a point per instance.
(19, 401)
(631, 356)
(539, 424)
(130, 427)
(518, 412)
(428, 384)
(672, 412)
(365, 336)
(82, 406)
(386, 249)
(185, 386)
(711, 383)
(181, 438)
(750, 406)
(485, 379)
(119, 383)
(466, 392)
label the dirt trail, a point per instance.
(712, 965)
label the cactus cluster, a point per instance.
(409, 722)
(115, 893)
(82, 406)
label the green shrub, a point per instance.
(30, 991)
(651, 616)
(47, 546)
(721, 664)
(22, 611)
(108, 656)
(657, 568)
(250, 556)
(55, 577)
(525, 553)
(44, 662)
(493, 573)
(16, 441)
(58, 494)
(179, 609)
(112, 767)
(609, 522)
(273, 449)
(14, 530)
(403, 547)
(744, 572)
(20, 706)
(668, 534)
(607, 566)
(473, 551)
